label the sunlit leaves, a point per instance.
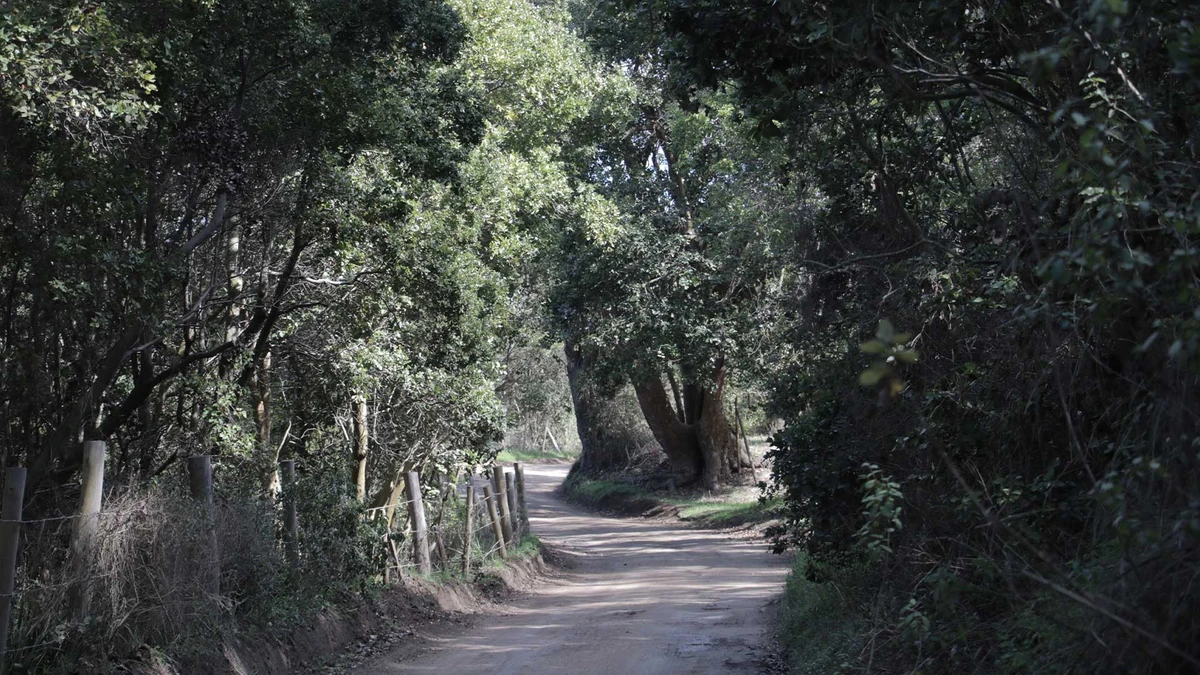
(72, 70)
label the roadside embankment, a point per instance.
(342, 636)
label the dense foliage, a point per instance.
(1014, 185)
(953, 244)
(263, 231)
(201, 226)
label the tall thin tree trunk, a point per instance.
(145, 414)
(360, 447)
(267, 452)
(233, 247)
(676, 393)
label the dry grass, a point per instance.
(166, 574)
(145, 580)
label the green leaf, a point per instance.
(886, 331)
(873, 347)
(871, 376)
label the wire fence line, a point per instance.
(151, 566)
(394, 505)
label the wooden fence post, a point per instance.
(92, 494)
(521, 506)
(291, 520)
(416, 512)
(502, 505)
(469, 536)
(557, 448)
(514, 514)
(87, 525)
(200, 484)
(10, 535)
(490, 500)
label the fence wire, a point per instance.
(161, 565)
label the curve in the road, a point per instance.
(646, 597)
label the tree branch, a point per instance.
(145, 388)
(862, 258)
(214, 225)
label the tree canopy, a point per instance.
(952, 243)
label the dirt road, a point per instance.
(644, 597)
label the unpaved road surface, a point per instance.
(641, 596)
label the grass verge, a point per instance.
(526, 549)
(727, 514)
(820, 629)
(714, 511)
(510, 455)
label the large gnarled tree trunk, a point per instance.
(695, 433)
(597, 449)
(676, 437)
